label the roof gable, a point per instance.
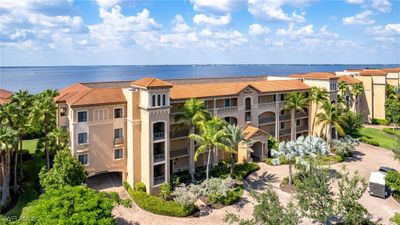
(151, 83)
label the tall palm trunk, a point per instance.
(293, 125)
(315, 117)
(191, 155)
(329, 135)
(6, 177)
(232, 163)
(208, 162)
(290, 173)
(15, 187)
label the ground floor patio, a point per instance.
(367, 158)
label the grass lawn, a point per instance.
(385, 140)
(31, 170)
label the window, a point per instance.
(118, 153)
(118, 133)
(298, 123)
(347, 98)
(227, 102)
(153, 100)
(82, 116)
(282, 125)
(163, 100)
(274, 97)
(282, 97)
(63, 111)
(333, 86)
(82, 138)
(282, 112)
(84, 159)
(247, 117)
(158, 100)
(118, 113)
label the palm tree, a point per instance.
(43, 115)
(235, 139)
(343, 87)
(8, 140)
(57, 140)
(194, 110)
(289, 150)
(317, 95)
(211, 137)
(296, 101)
(357, 90)
(330, 117)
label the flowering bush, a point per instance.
(183, 196)
(345, 146)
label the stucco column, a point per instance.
(277, 114)
(293, 124)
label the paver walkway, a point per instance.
(367, 159)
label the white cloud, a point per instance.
(357, 2)
(180, 25)
(272, 10)
(359, 19)
(382, 5)
(202, 19)
(387, 33)
(217, 5)
(107, 3)
(258, 29)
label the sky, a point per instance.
(150, 32)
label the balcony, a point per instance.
(118, 141)
(159, 157)
(284, 117)
(229, 109)
(158, 136)
(301, 115)
(285, 132)
(159, 179)
(266, 103)
(179, 134)
(301, 129)
(266, 120)
(179, 153)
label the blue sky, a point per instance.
(118, 32)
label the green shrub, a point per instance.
(391, 131)
(165, 191)
(115, 197)
(126, 185)
(230, 198)
(158, 205)
(243, 170)
(396, 219)
(379, 121)
(140, 186)
(366, 140)
(127, 203)
(392, 180)
(282, 160)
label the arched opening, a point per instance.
(256, 155)
(247, 102)
(231, 120)
(158, 131)
(266, 122)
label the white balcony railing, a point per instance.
(227, 109)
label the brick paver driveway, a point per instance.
(367, 159)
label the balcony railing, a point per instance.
(158, 135)
(284, 117)
(179, 134)
(248, 107)
(284, 132)
(227, 109)
(301, 129)
(301, 114)
(159, 179)
(178, 153)
(266, 103)
(118, 141)
(159, 157)
(266, 120)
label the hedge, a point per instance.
(379, 121)
(157, 205)
(230, 198)
(366, 140)
(391, 131)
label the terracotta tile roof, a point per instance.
(252, 131)
(316, 75)
(354, 70)
(81, 95)
(205, 90)
(349, 80)
(5, 96)
(150, 83)
(373, 72)
(391, 70)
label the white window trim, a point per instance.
(87, 138)
(88, 159)
(87, 116)
(118, 129)
(123, 113)
(123, 154)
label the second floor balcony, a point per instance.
(179, 134)
(118, 141)
(266, 120)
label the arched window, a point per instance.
(153, 101)
(247, 103)
(163, 100)
(158, 100)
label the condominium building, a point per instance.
(131, 127)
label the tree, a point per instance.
(56, 140)
(357, 90)
(67, 170)
(392, 179)
(70, 205)
(314, 195)
(345, 146)
(343, 88)
(396, 149)
(43, 115)
(351, 190)
(8, 139)
(392, 107)
(330, 117)
(289, 150)
(194, 110)
(211, 137)
(317, 96)
(268, 211)
(312, 147)
(351, 122)
(296, 102)
(235, 138)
